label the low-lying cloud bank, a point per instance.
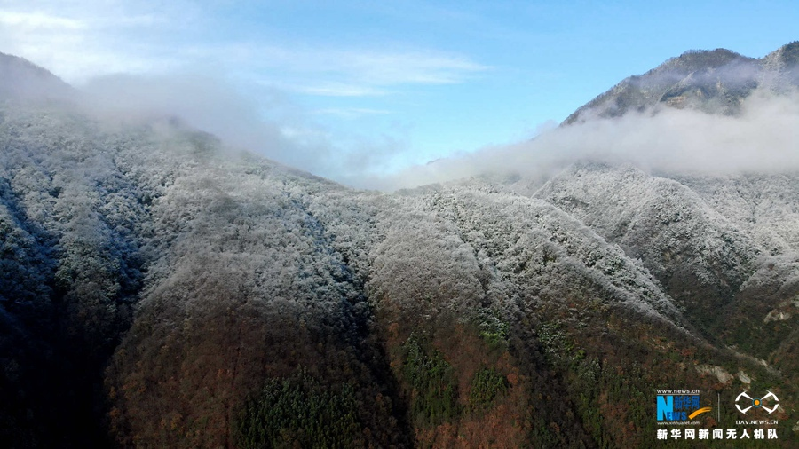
(764, 137)
(258, 119)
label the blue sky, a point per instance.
(383, 85)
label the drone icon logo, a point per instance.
(757, 402)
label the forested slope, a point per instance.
(159, 289)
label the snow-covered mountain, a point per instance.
(21, 79)
(711, 81)
(192, 295)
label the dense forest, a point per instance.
(160, 289)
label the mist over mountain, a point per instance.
(710, 81)
(24, 80)
(190, 294)
(733, 114)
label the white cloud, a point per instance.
(335, 89)
(169, 46)
(765, 137)
(350, 113)
(266, 122)
(340, 72)
(416, 67)
(77, 40)
(35, 21)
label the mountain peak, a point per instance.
(693, 60)
(20, 78)
(711, 81)
(788, 53)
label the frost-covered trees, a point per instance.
(198, 281)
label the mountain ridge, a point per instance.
(24, 80)
(714, 81)
(195, 296)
